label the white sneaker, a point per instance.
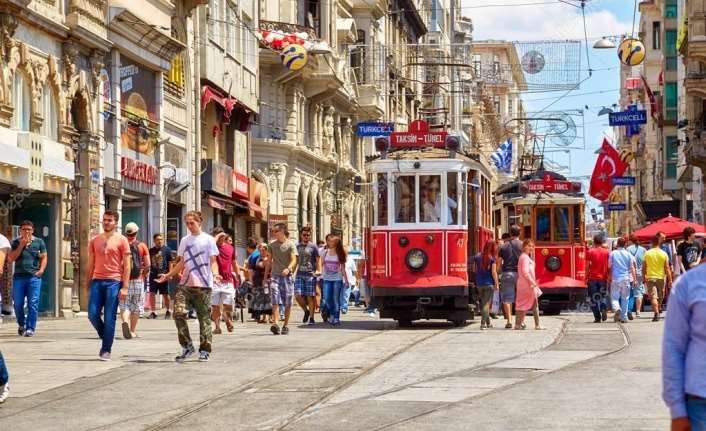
(4, 392)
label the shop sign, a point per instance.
(623, 181)
(631, 117)
(217, 178)
(418, 136)
(374, 129)
(241, 186)
(617, 207)
(112, 187)
(138, 171)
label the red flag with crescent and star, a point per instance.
(608, 165)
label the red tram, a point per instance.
(549, 210)
(419, 240)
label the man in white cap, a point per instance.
(131, 306)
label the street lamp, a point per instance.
(75, 240)
(604, 43)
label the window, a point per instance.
(381, 200)
(510, 107)
(496, 64)
(214, 20)
(670, 9)
(544, 223)
(232, 29)
(562, 228)
(477, 64)
(405, 203)
(21, 102)
(670, 101)
(249, 44)
(50, 128)
(496, 104)
(430, 198)
(670, 43)
(578, 223)
(452, 198)
(671, 154)
(656, 35)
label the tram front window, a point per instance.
(544, 223)
(561, 224)
(405, 210)
(430, 198)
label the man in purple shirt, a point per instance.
(683, 352)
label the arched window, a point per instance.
(21, 102)
(301, 214)
(50, 127)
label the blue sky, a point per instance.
(532, 20)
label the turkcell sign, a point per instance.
(623, 181)
(627, 118)
(374, 129)
(617, 207)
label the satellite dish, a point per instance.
(533, 62)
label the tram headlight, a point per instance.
(553, 263)
(416, 259)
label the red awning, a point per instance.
(671, 226)
(216, 203)
(229, 104)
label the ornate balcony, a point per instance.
(286, 27)
(87, 18)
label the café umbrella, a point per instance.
(670, 225)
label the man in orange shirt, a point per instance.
(132, 306)
(109, 269)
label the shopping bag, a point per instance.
(495, 306)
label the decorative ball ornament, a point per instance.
(631, 52)
(533, 62)
(294, 57)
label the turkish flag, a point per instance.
(608, 165)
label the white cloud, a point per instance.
(539, 22)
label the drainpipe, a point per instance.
(197, 109)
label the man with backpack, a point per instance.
(131, 306)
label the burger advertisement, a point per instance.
(137, 89)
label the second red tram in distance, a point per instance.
(427, 214)
(550, 210)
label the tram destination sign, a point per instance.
(550, 185)
(418, 136)
(374, 129)
(623, 181)
(627, 118)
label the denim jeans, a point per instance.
(619, 296)
(104, 297)
(345, 296)
(4, 375)
(26, 287)
(597, 297)
(696, 411)
(331, 298)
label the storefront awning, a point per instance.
(230, 107)
(217, 203)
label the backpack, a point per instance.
(137, 263)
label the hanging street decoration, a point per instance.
(294, 57)
(631, 52)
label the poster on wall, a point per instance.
(138, 94)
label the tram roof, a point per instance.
(541, 198)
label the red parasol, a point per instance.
(671, 226)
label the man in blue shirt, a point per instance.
(683, 352)
(638, 287)
(30, 256)
(621, 272)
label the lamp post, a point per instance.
(75, 190)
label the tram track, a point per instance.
(252, 384)
(626, 338)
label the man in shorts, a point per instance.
(283, 261)
(308, 268)
(509, 257)
(656, 273)
(160, 260)
(131, 307)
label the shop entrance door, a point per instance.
(134, 211)
(41, 215)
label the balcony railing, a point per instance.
(286, 27)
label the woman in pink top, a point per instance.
(527, 288)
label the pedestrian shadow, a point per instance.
(69, 359)
(355, 325)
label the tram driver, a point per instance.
(431, 205)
